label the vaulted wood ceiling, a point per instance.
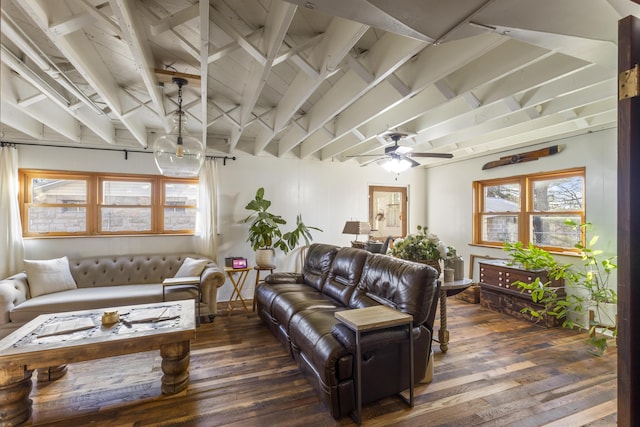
(320, 79)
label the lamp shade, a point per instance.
(356, 227)
(177, 153)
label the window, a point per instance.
(76, 204)
(531, 208)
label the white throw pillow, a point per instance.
(191, 267)
(48, 276)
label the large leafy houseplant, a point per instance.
(265, 232)
(589, 284)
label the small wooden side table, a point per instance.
(259, 270)
(238, 283)
(189, 284)
(362, 320)
(448, 289)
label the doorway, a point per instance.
(387, 212)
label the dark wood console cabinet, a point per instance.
(499, 293)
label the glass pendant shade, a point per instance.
(178, 154)
(396, 165)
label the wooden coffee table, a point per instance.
(47, 342)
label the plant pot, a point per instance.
(266, 258)
(433, 263)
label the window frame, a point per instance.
(94, 203)
(526, 210)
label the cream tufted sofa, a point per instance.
(105, 281)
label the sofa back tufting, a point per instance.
(124, 270)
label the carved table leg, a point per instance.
(175, 366)
(15, 405)
(443, 334)
(51, 373)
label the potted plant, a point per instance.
(422, 247)
(589, 304)
(265, 234)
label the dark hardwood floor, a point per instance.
(498, 371)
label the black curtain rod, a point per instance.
(124, 150)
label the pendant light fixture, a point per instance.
(177, 153)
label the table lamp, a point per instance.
(357, 228)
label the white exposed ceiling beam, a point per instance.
(518, 122)
(471, 99)
(28, 47)
(186, 44)
(98, 123)
(232, 46)
(431, 64)
(25, 102)
(278, 20)
(480, 69)
(44, 111)
(81, 53)
(341, 36)
(538, 82)
(132, 29)
(359, 69)
(100, 17)
(384, 57)
(175, 19)
(244, 43)
(71, 24)
(14, 117)
(295, 50)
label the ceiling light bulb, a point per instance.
(396, 165)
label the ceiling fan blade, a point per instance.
(436, 155)
(410, 160)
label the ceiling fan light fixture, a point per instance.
(396, 165)
(178, 154)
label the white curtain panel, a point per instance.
(11, 245)
(207, 217)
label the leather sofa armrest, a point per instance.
(13, 291)
(369, 340)
(280, 278)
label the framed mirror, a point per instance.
(387, 211)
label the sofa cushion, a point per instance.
(191, 267)
(317, 264)
(48, 276)
(400, 284)
(311, 335)
(86, 299)
(344, 274)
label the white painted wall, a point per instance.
(329, 193)
(450, 195)
(325, 193)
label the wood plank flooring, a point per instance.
(499, 371)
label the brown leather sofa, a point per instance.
(299, 309)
